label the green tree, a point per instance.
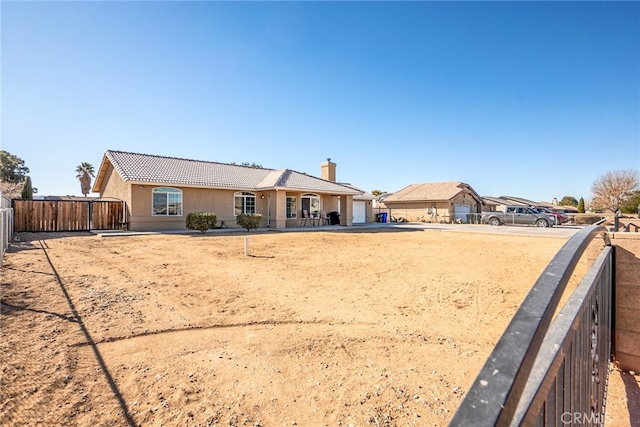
(377, 192)
(27, 189)
(614, 189)
(12, 168)
(631, 206)
(569, 201)
(581, 205)
(84, 172)
(252, 165)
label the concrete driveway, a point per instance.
(560, 231)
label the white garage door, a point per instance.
(461, 211)
(359, 212)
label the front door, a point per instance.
(311, 204)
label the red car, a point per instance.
(561, 218)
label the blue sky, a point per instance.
(531, 99)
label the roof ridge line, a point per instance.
(186, 159)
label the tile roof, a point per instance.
(428, 191)
(364, 195)
(149, 168)
(519, 200)
(489, 200)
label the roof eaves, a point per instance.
(416, 200)
(116, 165)
(102, 171)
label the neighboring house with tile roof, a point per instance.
(435, 202)
(519, 201)
(500, 203)
(160, 191)
(363, 205)
(493, 204)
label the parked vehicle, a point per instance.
(561, 217)
(518, 215)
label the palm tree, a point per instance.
(84, 173)
(377, 192)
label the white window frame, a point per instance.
(245, 196)
(167, 192)
(292, 207)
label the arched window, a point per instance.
(167, 201)
(245, 203)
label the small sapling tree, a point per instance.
(249, 221)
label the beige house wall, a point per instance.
(465, 198)
(278, 207)
(114, 187)
(270, 204)
(490, 207)
(346, 210)
(220, 202)
(627, 300)
(421, 210)
(369, 215)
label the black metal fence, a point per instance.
(546, 373)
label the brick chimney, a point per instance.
(328, 170)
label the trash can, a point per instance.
(383, 217)
(334, 218)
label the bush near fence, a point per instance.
(586, 218)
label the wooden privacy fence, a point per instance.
(68, 215)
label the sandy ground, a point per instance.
(323, 328)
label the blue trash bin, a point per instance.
(383, 217)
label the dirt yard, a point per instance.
(314, 328)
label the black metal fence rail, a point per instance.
(548, 374)
(568, 382)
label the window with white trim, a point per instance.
(166, 201)
(292, 205)
(244, 203)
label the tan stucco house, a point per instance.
(160, 191)
(435, 202)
